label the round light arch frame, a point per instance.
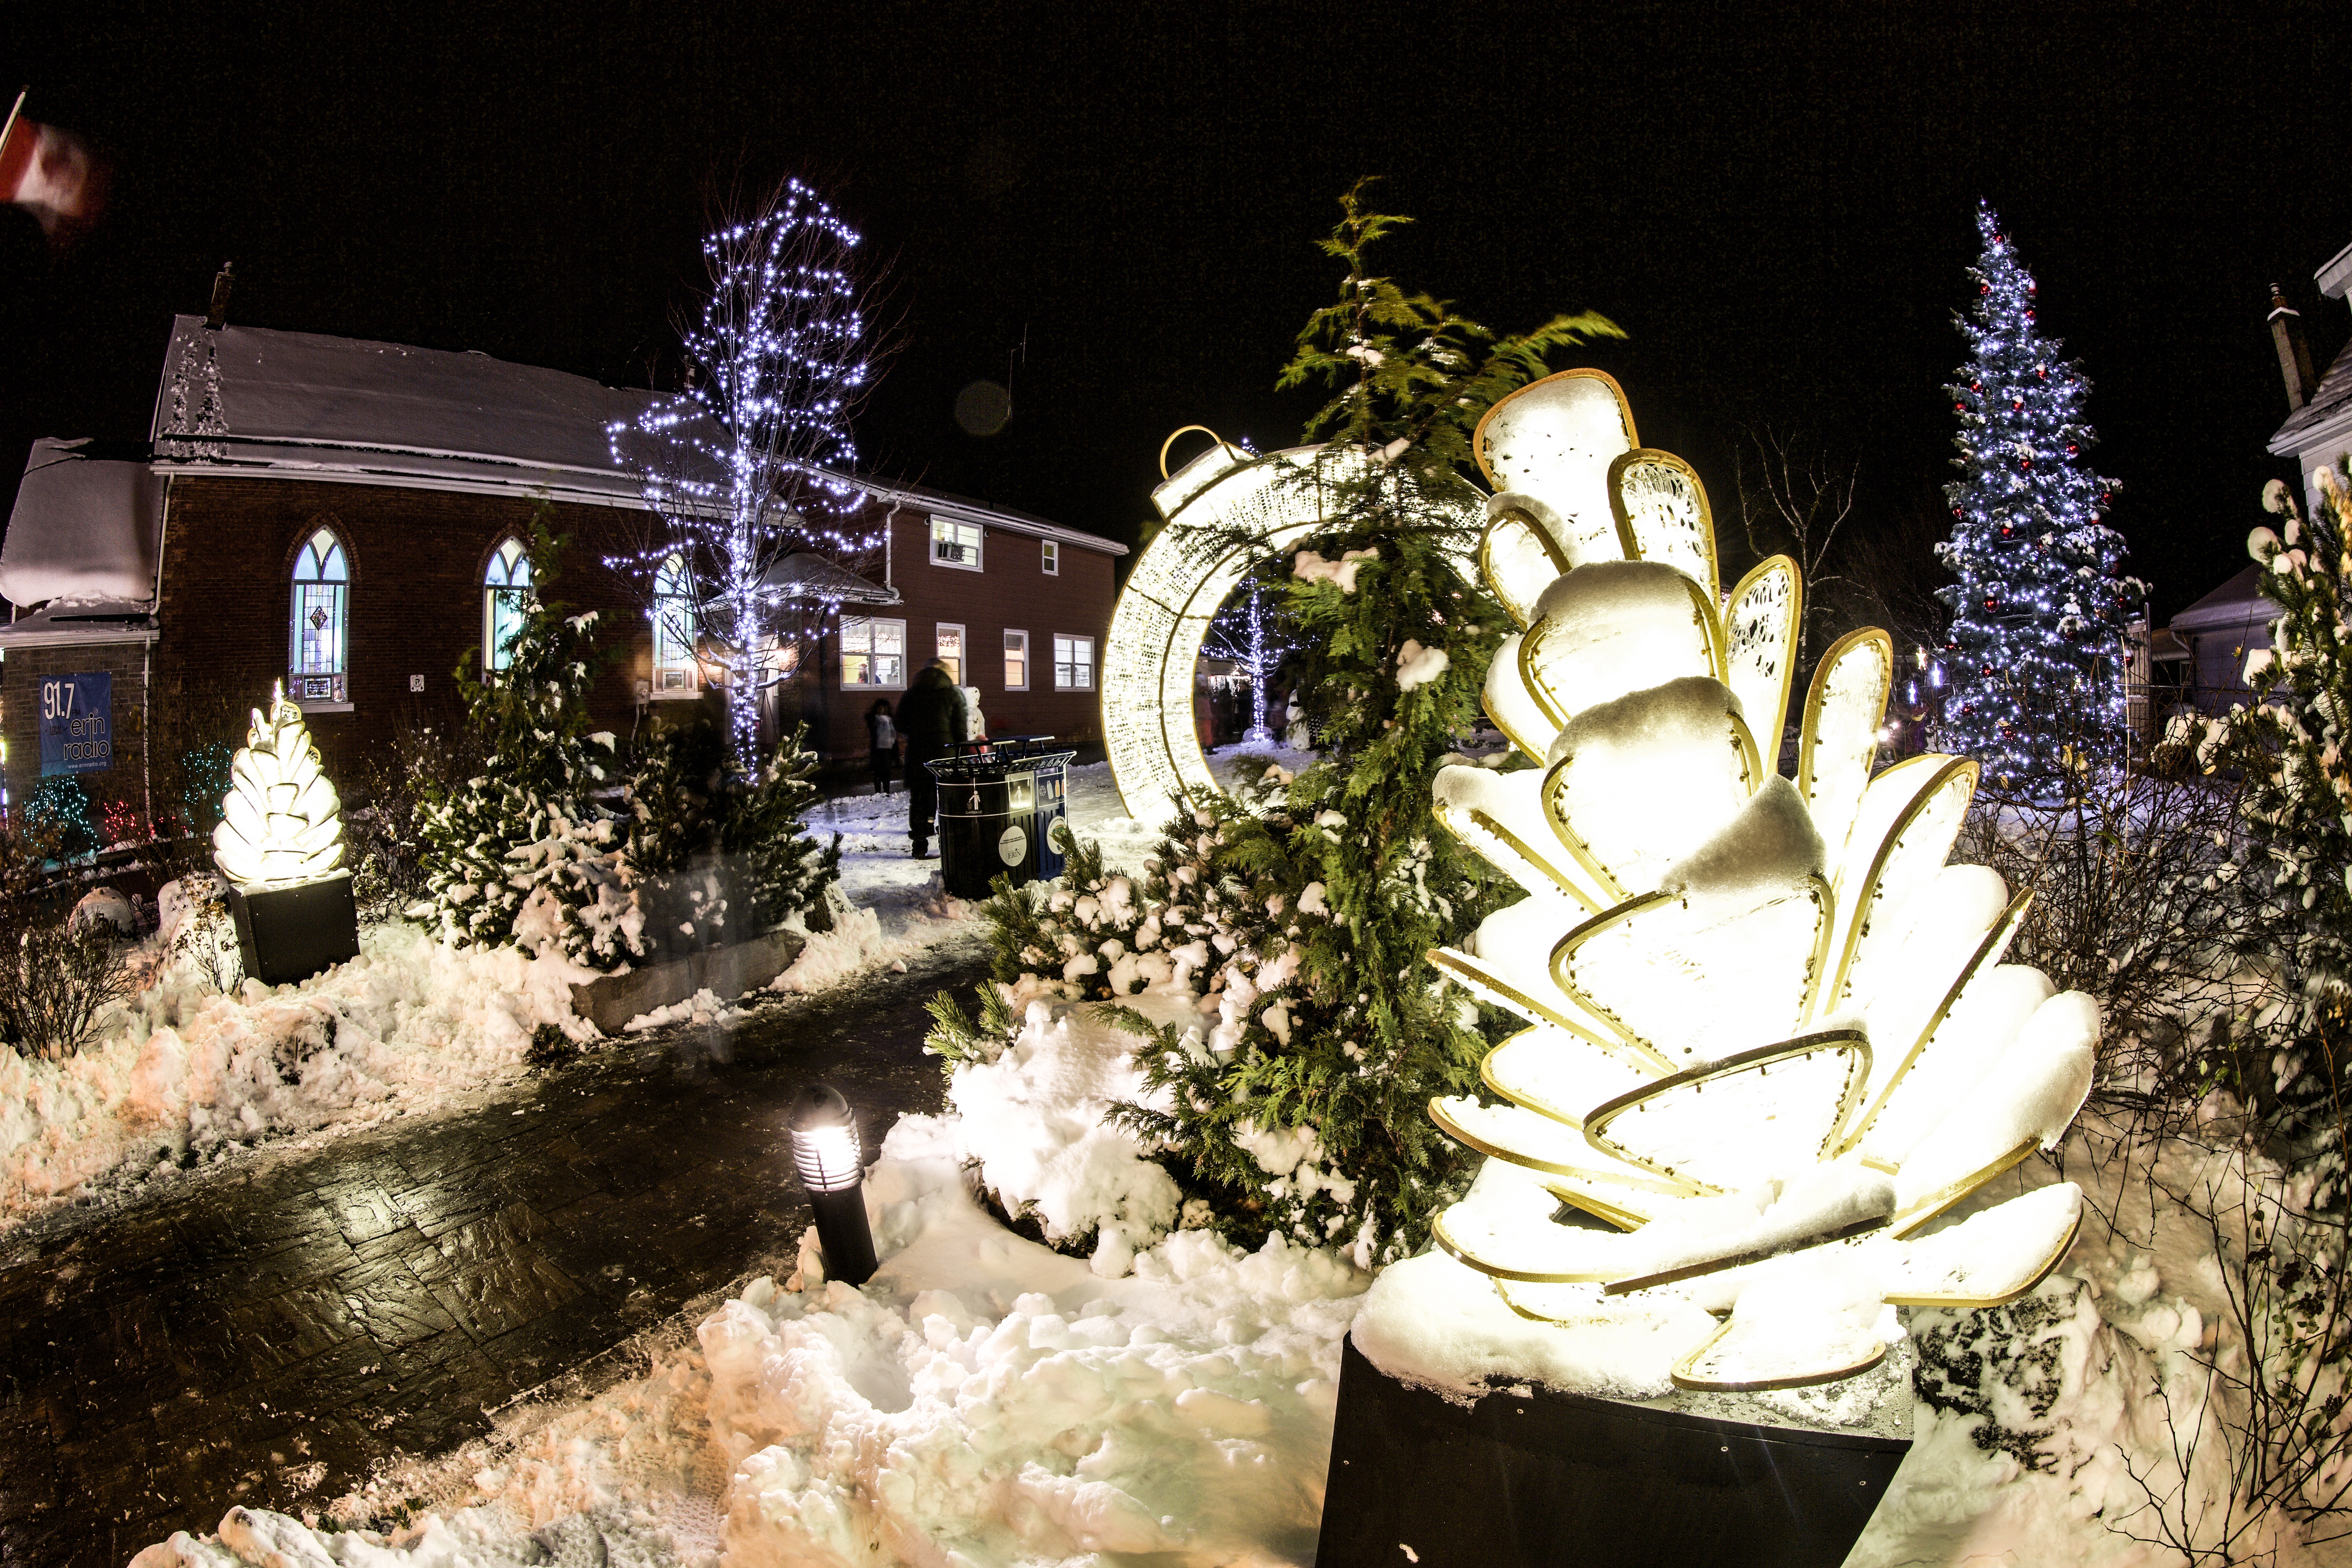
(1224, 510)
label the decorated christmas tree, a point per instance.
(2035, 650)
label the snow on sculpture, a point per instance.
(1770, 1037)
(281, 822)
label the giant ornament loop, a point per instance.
(1225, 510)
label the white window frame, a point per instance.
(960, 671)
(507, 576)
(321, 684)
(850, 640)
(1049, 554)
(958, 543)
(677, 628)
(1017, 647)
(1066, 662)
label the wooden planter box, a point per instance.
(285, 934)
(610, 1001)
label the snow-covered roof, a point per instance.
(309, 406)
(81, 623)
(84, 528)
(2322, 428)
(306, 406)
(2236, 603)
(804, 575)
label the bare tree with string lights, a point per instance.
(1248, 635)
(742, 469)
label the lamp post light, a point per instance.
(826, 1150)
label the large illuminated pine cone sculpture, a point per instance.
(281, 821)
(1771, 1035)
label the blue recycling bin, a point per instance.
(1002, 810)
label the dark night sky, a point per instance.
(1775, 204)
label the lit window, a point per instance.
(955, 543)
(506, 590)
(675, 629)
(322, 582)
(948, 644)
(1053, 557)
(1073, 664)
(1016, 661)
(873, 652)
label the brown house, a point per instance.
(1015, 606)
(349, 517)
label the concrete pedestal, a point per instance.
(1533, 1478)
(285, 934)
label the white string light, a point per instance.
(743, 468)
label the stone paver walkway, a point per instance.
(267, 1333)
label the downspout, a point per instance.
(147, 659)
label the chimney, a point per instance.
(2295, 354)
(216, 314)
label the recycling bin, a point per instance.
(1002, 810)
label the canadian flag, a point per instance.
(50, 173)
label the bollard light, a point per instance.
(826, 1151)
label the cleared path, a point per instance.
(266, 1334)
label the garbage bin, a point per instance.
(998, 803)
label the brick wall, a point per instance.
(20, 718)
(414, 608)
(1011, 591)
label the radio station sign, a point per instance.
(76, 723)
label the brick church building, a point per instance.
(349, 517)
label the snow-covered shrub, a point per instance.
(520, 851)
(2291, 864)
(764, 834)
(2125, 905)
(384, 821)
(1298, 917)
(2280, 1224)
(194, 924)
(54, 982)
(716, 853)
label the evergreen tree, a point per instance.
(1302, 911)
(2035, 649)
(490, 843)
(2293, 869)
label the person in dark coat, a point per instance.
(930, 721)
(882, 739)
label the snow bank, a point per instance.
(1036, 1122)
(983, 1396)
(187, 1072)
(986, 1400)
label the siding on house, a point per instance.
(416, 559)
(1011, 591)
(20, 718)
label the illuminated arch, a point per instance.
(1224, 510)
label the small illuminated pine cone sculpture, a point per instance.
(281, 822)
(1771, 1035)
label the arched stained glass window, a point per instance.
(319, 669)
(675, 627)
(506, 590)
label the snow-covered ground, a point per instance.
(984, 1399)
(185, 1075)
